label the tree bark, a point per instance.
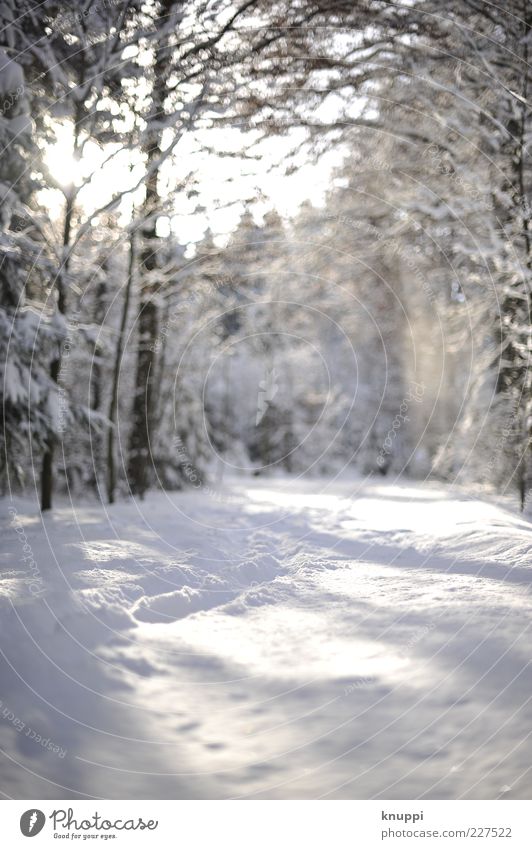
(47, 474)
(113, 405)
(144, 399)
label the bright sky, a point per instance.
(224, 184)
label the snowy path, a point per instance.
(288, 640)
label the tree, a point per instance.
(76, 72)
(29, 405)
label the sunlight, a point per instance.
(97, 175)
(66, 169)
(222, 194)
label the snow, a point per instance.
(279, 638)
(11, 75)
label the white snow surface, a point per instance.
(279, 639)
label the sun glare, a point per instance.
(65, 167)
(98, 173)
(101, 172)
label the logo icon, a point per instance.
(32, 822)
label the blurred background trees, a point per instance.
(385, 328)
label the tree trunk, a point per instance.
(513, 378)
(113, 405)
(47, 479)
(144, 399)
(47, 475)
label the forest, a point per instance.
(150, 294)
(266, 454)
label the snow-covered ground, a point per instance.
(286, 639)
